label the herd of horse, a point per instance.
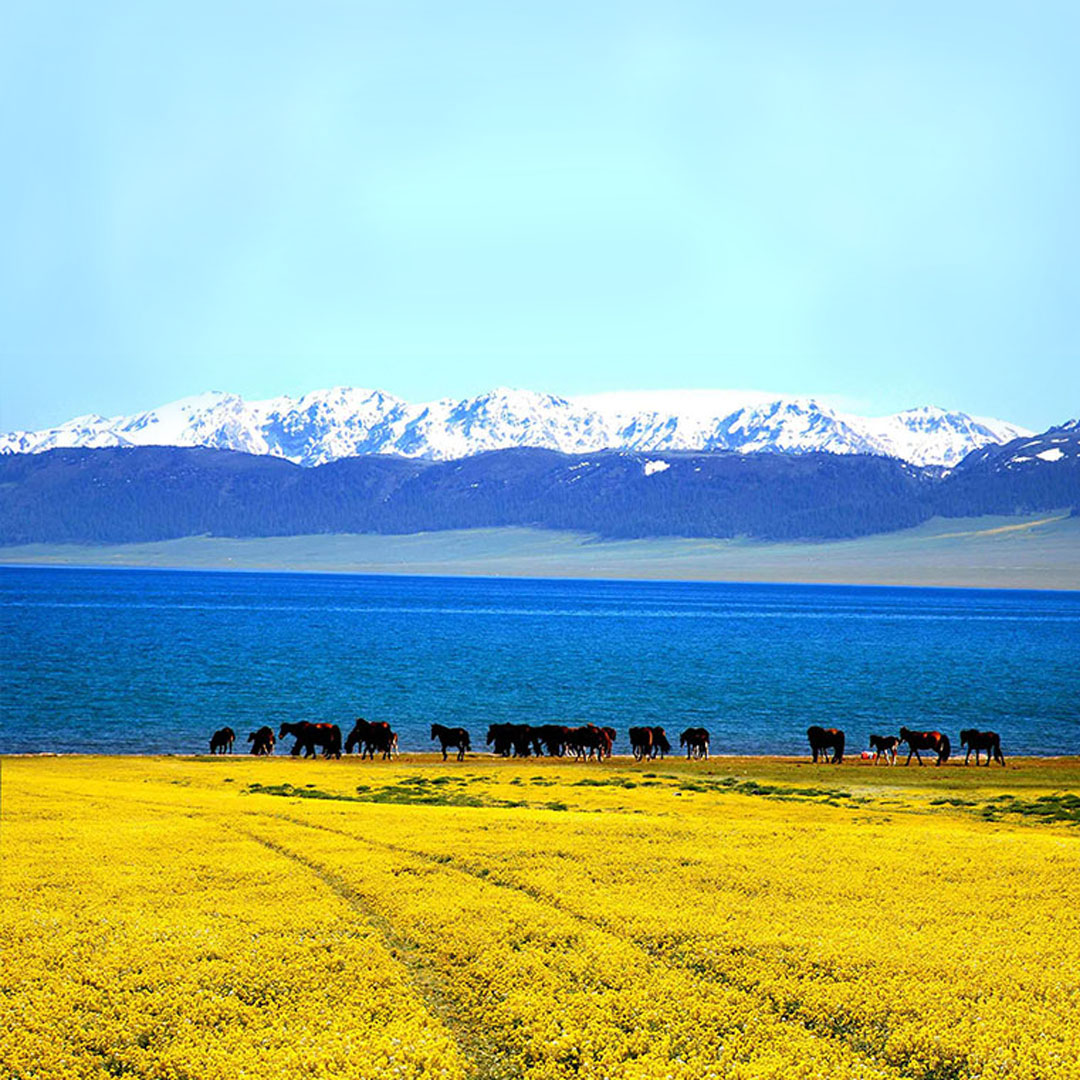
(827, 745)
(586, 742)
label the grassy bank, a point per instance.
(1035, 552)
(742, 917)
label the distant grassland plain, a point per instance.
(1033, 552)
(738, 918)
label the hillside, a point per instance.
(143, 494)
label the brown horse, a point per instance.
(456, 737)
(262, 741)
(926, 740)
(308, 736)
(823, 739)
(884, 746)
(989, 741)
(221, 742)
(696, 741)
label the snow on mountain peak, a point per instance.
(343, 421)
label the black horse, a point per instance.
(262, 741)
(457, 737)
(926, 740)
(696, 741)
(308, 736)
(884, 746)
(221, 742)
(824, 739)
(989, 741)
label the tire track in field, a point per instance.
(498, 878)
(487, 1060)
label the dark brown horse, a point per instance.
(612, 735)
(308, 736)
(550, 739)
(371, 737)
(884, 746)
(221, 742)
(641, 742)
(824, 739)
(696, 741)
(989, 741)
(456, 737)
(926, 740)
(262, 741)
(587, 742)
(507, 739)
(660, 744)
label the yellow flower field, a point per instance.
(245, 918)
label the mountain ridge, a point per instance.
(343, 422)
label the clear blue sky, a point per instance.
(876, 201)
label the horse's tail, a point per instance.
(946, 748)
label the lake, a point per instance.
(152, 661)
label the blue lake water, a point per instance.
(148, 661)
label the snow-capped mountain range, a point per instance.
(343, 422)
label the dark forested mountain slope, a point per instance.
(115, 495)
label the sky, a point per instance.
(874, 202)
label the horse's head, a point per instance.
(286, 729)
(966, 736)
(434, 730)
(904, 734)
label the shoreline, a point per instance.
(423, 757)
